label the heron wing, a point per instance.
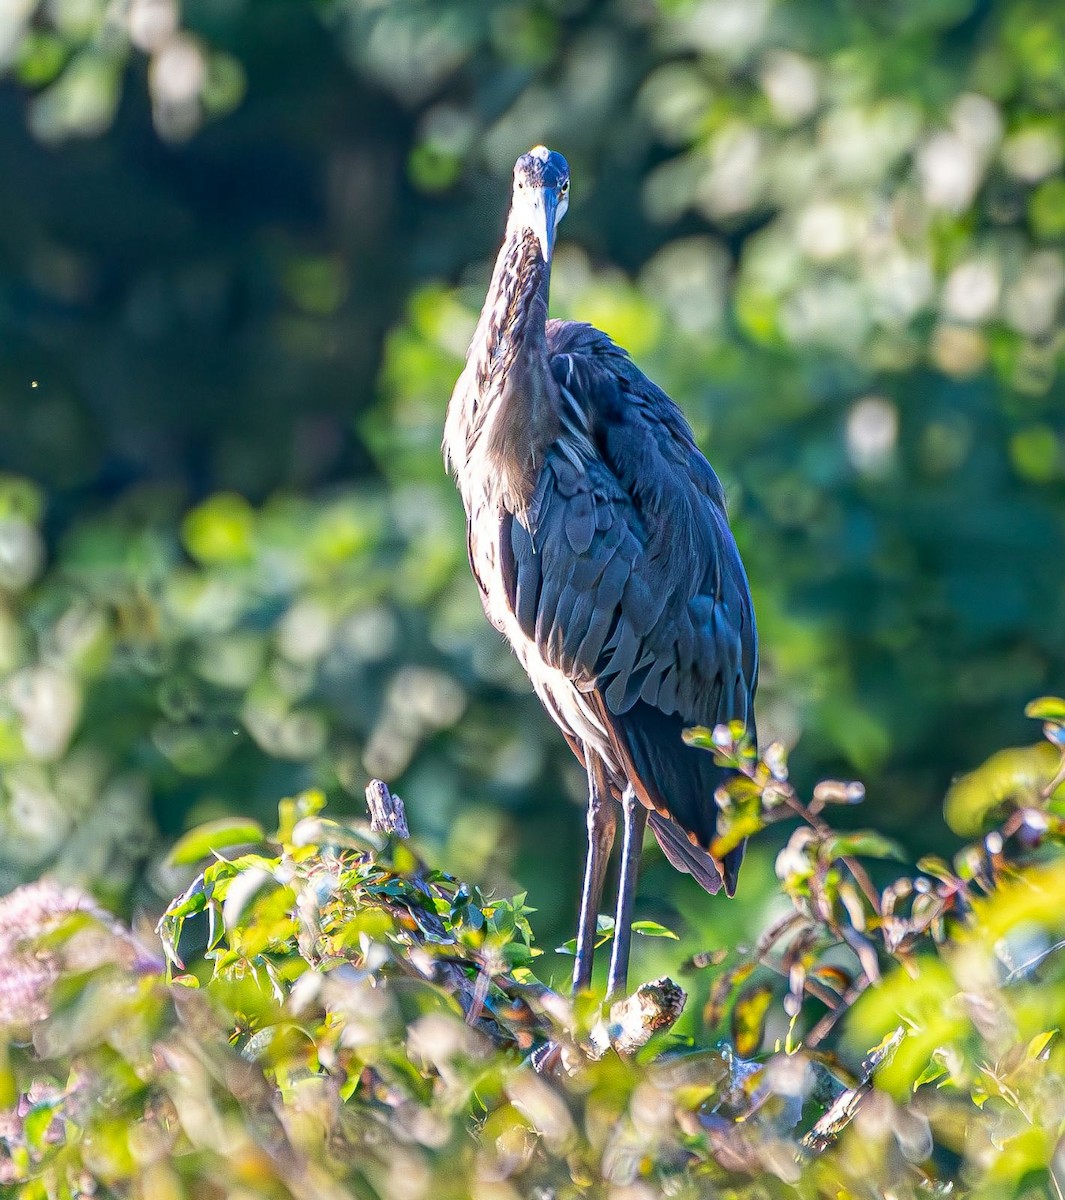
(626, 576)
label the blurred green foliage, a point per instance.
(349, 1021)
(242, 249)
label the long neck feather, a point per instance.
(515, 309)
(508, 407)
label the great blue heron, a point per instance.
(598, 537)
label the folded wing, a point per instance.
(625, 574)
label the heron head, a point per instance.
(541, 194)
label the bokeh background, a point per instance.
(242, 248)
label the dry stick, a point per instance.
(776, 931)
(633, 1020)
(387, 814)
(842, 1112)
(480, 995)
(1054, 1181)
(1018, 972)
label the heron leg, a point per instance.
(602, 823)
(634, 822)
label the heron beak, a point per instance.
(542, 219)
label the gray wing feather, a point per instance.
(528, 579)
(580, 522)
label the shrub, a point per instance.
(352, 1022)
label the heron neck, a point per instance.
(514, 316)
(516, 415)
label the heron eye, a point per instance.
(565, 187)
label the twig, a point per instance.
(829, 1021)
(1054, 1181)
(1033, 962)
(824, 830)
(762, 953)
(1058, 778)
(846, 1105)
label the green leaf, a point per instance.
(1046, 209)
(1009, 778)
(748, 1019)
(9, 1088)
(863, 843)
(294, 809)
(37, 1123)
(938, 868)
(221, 530)
(1038, 1045)
(917, 1015)
(653, 929)
(604, 929)
(1046, 708)
(932, 1072)
(700, 736)
(204, 840)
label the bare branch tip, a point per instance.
(387, 814)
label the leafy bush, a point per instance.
(352, 1022)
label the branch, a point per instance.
(387, 814)
(846, 1105)
(634, 1020)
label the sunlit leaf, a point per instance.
(1009, 777)
(923, 1003)
(938, 868)
(1046, 708)
(748, 1018)
(9, 1088)
(220, 530)
(37, 1122)
(604, 932)
(932, 1073)
(1038, 1045)
(835, 977)
(653, 929)
(205, 840)
(862, 844)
